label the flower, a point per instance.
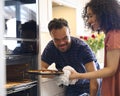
(95, 41)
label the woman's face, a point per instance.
(92, 20)
(61, 38)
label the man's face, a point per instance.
(61, 38)
(92, 20)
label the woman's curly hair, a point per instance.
(107, 13)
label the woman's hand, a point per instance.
(74, 74)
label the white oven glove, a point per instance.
(64, 78)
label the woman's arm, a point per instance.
(113, 59)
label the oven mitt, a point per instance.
(63, 80)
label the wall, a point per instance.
(67, 13)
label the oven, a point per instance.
(19, 81)
(21, 41)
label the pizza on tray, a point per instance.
(45, 72)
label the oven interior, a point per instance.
(19, 81)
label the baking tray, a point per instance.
(45, 72)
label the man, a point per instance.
(65, 50)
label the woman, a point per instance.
(104, 15)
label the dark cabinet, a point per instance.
(21, 41)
